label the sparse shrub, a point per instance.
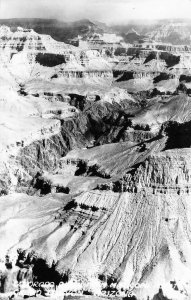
(3, 192)
(84, 206)
(144, 127)
(62, 189)
(70, 205)
(94, 208)
(19, 48)
(102, 277)
(82, 168)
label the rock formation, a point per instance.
(95, 168)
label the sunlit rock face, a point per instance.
(167, 172)
(115, 232)
(94, 168)
(174, 33)
(28, 39)
(27, 55)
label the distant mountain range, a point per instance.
(59, 30)
(176, 32)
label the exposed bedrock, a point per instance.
(102, 199)
(113, 160)
(107, 120)
(5, 179)
(42, 154)
(128, 75)
(45, 154)
(92, 74)
(18, 42)
(129, 237)
(97, 124)
(137, 135)
(173, 48)
(88, 128)
(167, 172)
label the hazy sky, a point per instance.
(109, 11)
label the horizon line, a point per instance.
(94, 20)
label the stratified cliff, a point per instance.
(139, 238)
(95, 167)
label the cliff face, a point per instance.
(166, 172)
(28, 55)
(153, 67)
(31, 55)
(174, 33)
(28, 40)
(147, 244)
(47, 139)
(175, 108)
(94, 181)
(45, 154)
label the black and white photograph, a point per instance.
(95, 149)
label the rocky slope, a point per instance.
(110, 230)
(174, 33)
(94, 169)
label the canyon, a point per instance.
(95, 162)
